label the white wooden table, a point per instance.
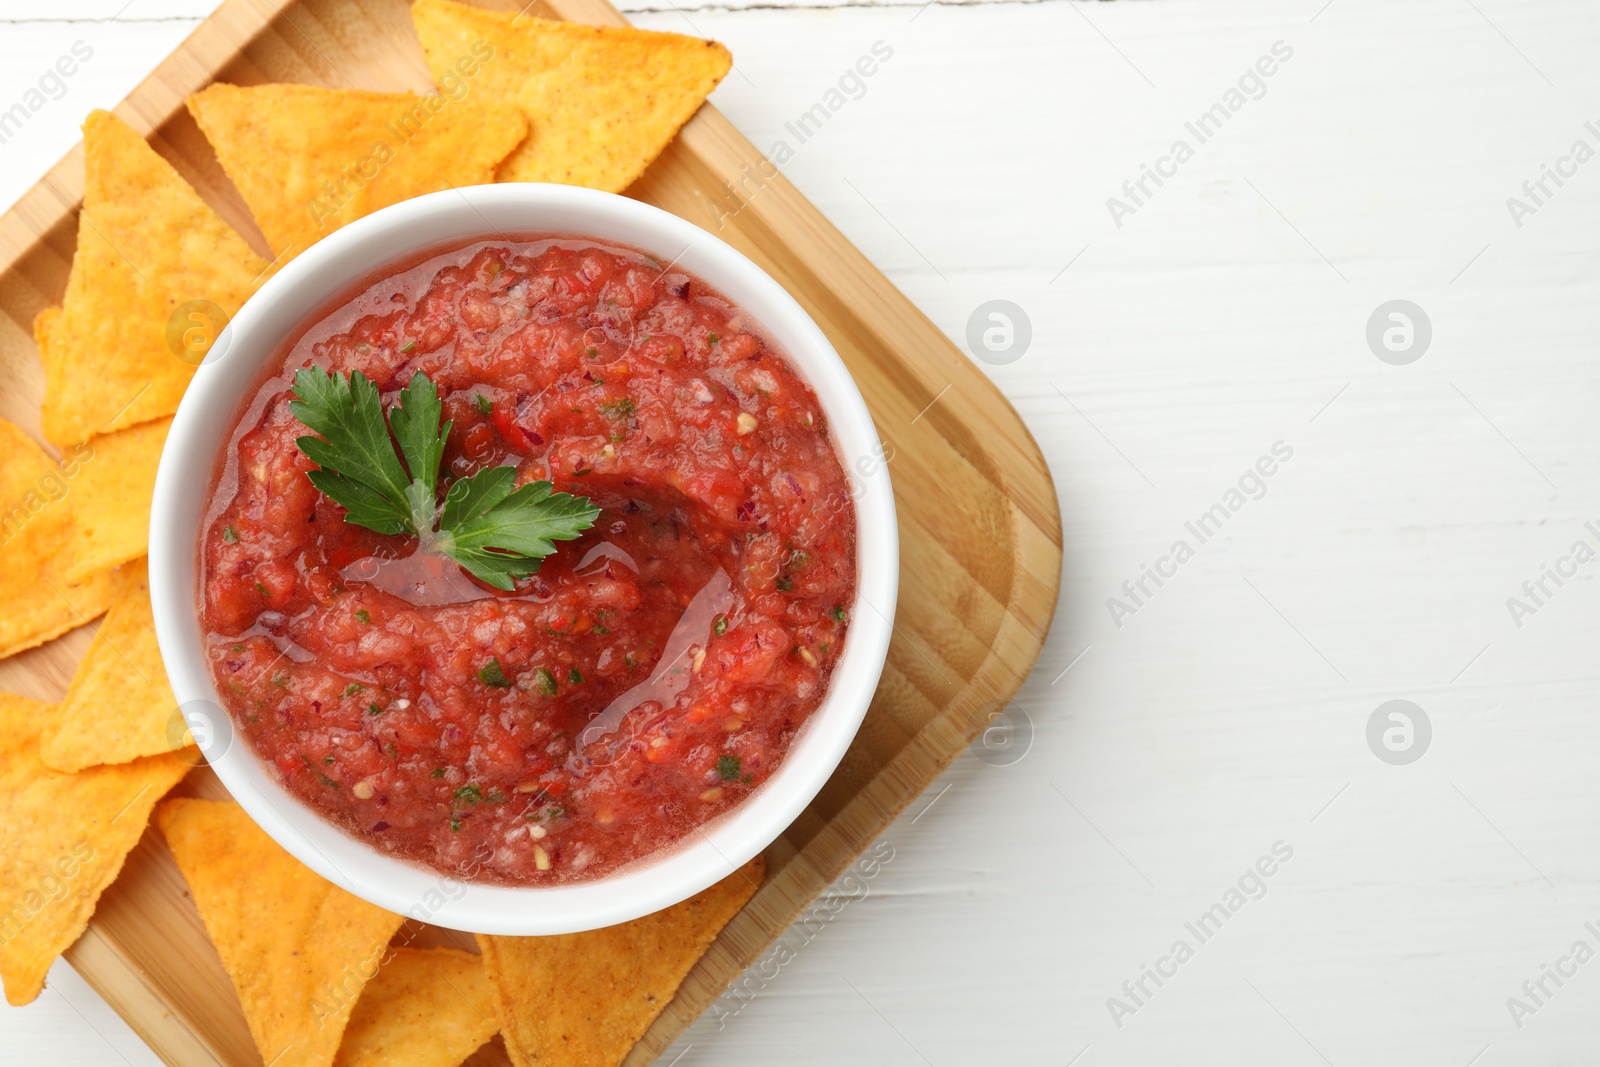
(1180, 737)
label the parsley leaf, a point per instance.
(494, 529)
(360, 470)
(499, 533)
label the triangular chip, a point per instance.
(43, 326)
(156, 275)
(298, 948)
(425, 1008)
(585, 999)
(601, 101)
(66, 836)
(308, 160)
(120, 706)
(110, 498)
(37, 602)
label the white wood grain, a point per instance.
(1229, 712)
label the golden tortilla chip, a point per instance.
(156, 275)
(298, 948)
(120, 706)
(43, 324)
(308, 160)
(601, 101)
(66, 836)
(425, 1008)
(110, 498)
(37, 602)
(586, 999)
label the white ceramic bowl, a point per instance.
(200, 431)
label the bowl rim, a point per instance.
(215, 399)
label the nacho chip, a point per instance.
(110, 499)
(37, 602)
(308, 160)
(586, 999)
(155, 277)
(601, 101)
(120, 706)
(425, 1008)
(298, 948)
(66, 838)
(43, 327)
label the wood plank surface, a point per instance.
(980, 533)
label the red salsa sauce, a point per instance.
(647, 678)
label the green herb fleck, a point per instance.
(327, 761)
(352, 689)
(728, 768)
(629, 661)
(437, 772)
(712, 339)
(719, 625)
(408, 346)
(491, 674)
(575, 676)
(495, 796)
(228, 536)
(362, 616)
(374, 708)
(455, 824)
(592, 353)
(262, 589)
(785, 583)
(619, 408)
(597, 628)
(838, 613)
(484, 406)
(470, 793)
(544, 682)
(281, 680)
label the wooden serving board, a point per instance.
(980, 534)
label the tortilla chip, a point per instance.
(66, 838)
(156, 275)
(601, 101)
(43, 326)
(37, 602)
(298, 948)
(308, 160)
(110, 499)
(120, 706)
(586, 999)
(425, 1008)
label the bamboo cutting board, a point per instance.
(980, 533)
